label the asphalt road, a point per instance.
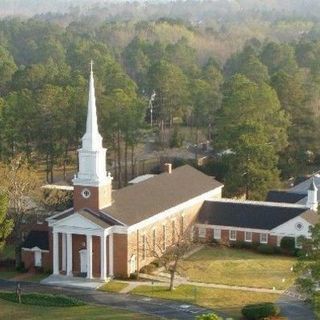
(157, 307)
(295, 309)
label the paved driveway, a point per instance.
(156, 307)
(295, 309)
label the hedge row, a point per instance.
(46, 300)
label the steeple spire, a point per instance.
(92, 139)
(92, 155)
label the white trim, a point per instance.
(64, 252)
(89, 256)
(69, 254)
(58, 215)
(55, 252)
(34, 249)
(267, 237)
(111, 255)
(202, 231)
(215, 236)
(214, 226)
(259, 203)
(245, 236)
(233, 238)
(174, 210)
(103, 258)
(38, 258)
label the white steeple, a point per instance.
(312, 200)
(92, 155)
(92, 139)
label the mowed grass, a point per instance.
(113, 286)
(238, 267)
(4, 274)
(228, 301)
(13, 311)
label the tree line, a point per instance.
(260, 105)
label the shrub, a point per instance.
(149, 268)
(133, 276)
(241, 245)
(46, 300)
(260, 310)
(265, 249)
(208, 316)
(288, 244)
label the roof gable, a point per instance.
(79, 220)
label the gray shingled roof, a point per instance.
(135, 203)
(284, 196)
(247, 215)
(38, 239)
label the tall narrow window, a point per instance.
(182, 225)
(143, 247)
(248, 236)
(232, 235)
(202, 232)
(263, 238)
(216, 234)
(173, 226)
(154, 240)
(164, 238)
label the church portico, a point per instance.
(85, 252)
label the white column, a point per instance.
(55, 253)
(103, 257)
(111, 255)
(89, 257)
(64, 252)
(69, 254)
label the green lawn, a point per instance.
(8, 274)
(113, 286)
(227, 301)
(238, 267)
(10, 311)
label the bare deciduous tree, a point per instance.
(20, 183)
(169, 256)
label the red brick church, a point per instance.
(104, 234)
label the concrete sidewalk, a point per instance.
(162, 279)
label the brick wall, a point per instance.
(135, 245)
(28, 260)
(272, 240)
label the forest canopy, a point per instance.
(246, 73)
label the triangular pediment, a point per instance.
(76, 220)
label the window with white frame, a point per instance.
(202, 232)
(232, 235)
(164, 237)
(263, 238)
(248, 236)
(133, 264)
(216, 234)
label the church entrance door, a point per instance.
(83, 260)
